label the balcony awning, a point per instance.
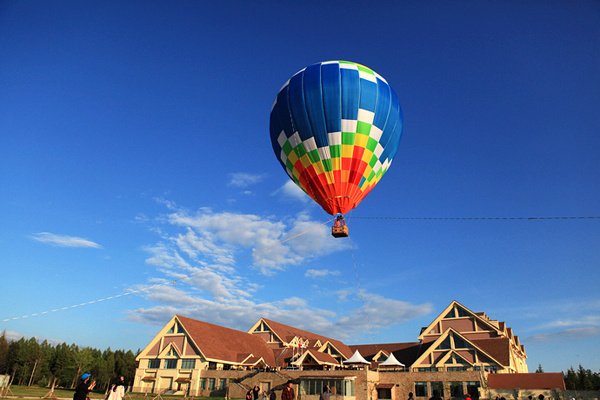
(149, 378)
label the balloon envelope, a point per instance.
(335, 128)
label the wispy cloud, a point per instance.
(199, 257)
(566, 335)
(320, 273)
(64, 240)
(244, 179)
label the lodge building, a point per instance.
(453, 355)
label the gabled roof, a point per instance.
(319, 357)
(218, 343)
(533, 381)
(287, 333)
(478, 316)
(434, 345)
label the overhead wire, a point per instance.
(170, 282)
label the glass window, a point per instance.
(445, 344)
(462, 312)
(457, 368)
(222, 383)
(384, 393)
(171, 363)
(421, 389)
(460, 343)
(188, 364)
(314, 387)
(450, 314)
(211, 383)
(439, 386)
(154, 363)
(473, 389)
(491, 368)
(202, 383)
(212, 365)
(456, 389)
(427, 369)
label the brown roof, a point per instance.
(220, 343)
(406, 353)
(287, 333)
(538, 381)
(323, 357)
(498, 348)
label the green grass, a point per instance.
(36, 392)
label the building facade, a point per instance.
(453, 355)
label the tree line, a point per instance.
(30, 362)
(582, 379)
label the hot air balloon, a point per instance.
(335, 128)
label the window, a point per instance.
(421, 389)
(384, 393)
(445, 344)
(460, 343)
(202, 383)
(154, 364)
(222, 383)
(427, 369)
(188, 364)
(456, 369)
(473, 389)
(211, 383)
(491, 368)
(439, 386)
(450, 314)
(212, 365)
(176, 328)
(456, 389)
(170, 363)
(338, 387)
(462, 312)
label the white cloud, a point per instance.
(15, 336)
(320, 273)
(293, 191)
(64, 240)
(201, 256)
(244, 179)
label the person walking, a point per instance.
(326, 393)
(84, 387)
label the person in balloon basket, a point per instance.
(288, 392)
(84, 387)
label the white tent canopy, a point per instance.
(391, 362)
(356, 359)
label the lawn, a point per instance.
(36, 392)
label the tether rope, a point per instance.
(170, 282)
(475, 218)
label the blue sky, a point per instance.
(135, 152)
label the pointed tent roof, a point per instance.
(356, 359)
(391, 362)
